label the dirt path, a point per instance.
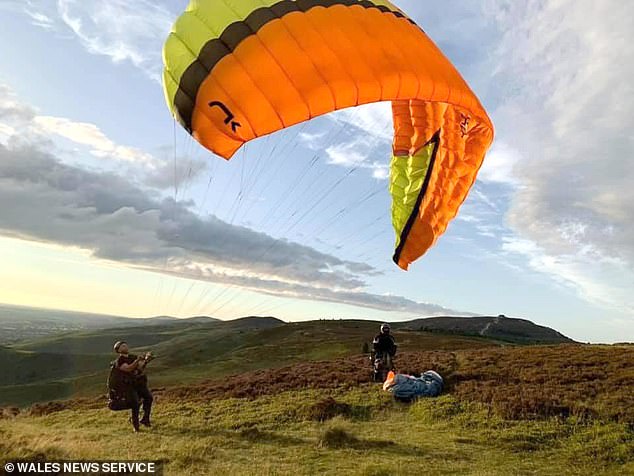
(486, 328)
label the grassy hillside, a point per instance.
(587, 382)
(23, 367)
(361, 431)
(581, 381)
(547, 410)
(195, 349)
(192, 352)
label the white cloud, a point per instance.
(312, 140)
(6, 131)
(90, 135)
(40, 19)
(381, 172)
(593, 282)
(363, 139)
(11, 109)
(574, 127)
(366, 143)
(122, 30)
(563, 114)
(20, 124)
(375, 120)
(360, 153)
(468, 218)
(499, 165)
(119, 29)
(482, 197)
(347, 154)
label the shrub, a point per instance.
(337, 437)
(327, 409)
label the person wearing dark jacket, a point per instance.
(136, 384)
(384, 345)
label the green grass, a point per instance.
(278, 434)
(508, 409)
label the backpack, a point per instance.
(117, 385)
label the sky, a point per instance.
(107, 205)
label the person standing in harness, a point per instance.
(132, 370)
(383, 352)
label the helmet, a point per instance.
(385, 328)
(117, 345)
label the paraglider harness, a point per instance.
(382, 357)
(382, 363)
(118, 384)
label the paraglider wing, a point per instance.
(240, 69)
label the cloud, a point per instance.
(21, 124)
(124, 31)
(61, 203)
(374, 120)
(362, 140)
(312, 140)
(499, 166)
(40, 19)
(16, 120)
(564, 117)
(358, 153)
(21, 121)
(90, 135)
(115, 220)
(11, 109)
(381, 172)
(595, 284)
(167, 175)
(468, 218)
(305, 291)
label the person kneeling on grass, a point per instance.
(136, 389)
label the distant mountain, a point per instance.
(199, 319)
(256, 322)
(520, 331)
(168, 320)
(18, 323)
(23, 324)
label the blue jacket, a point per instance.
(429, 384)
